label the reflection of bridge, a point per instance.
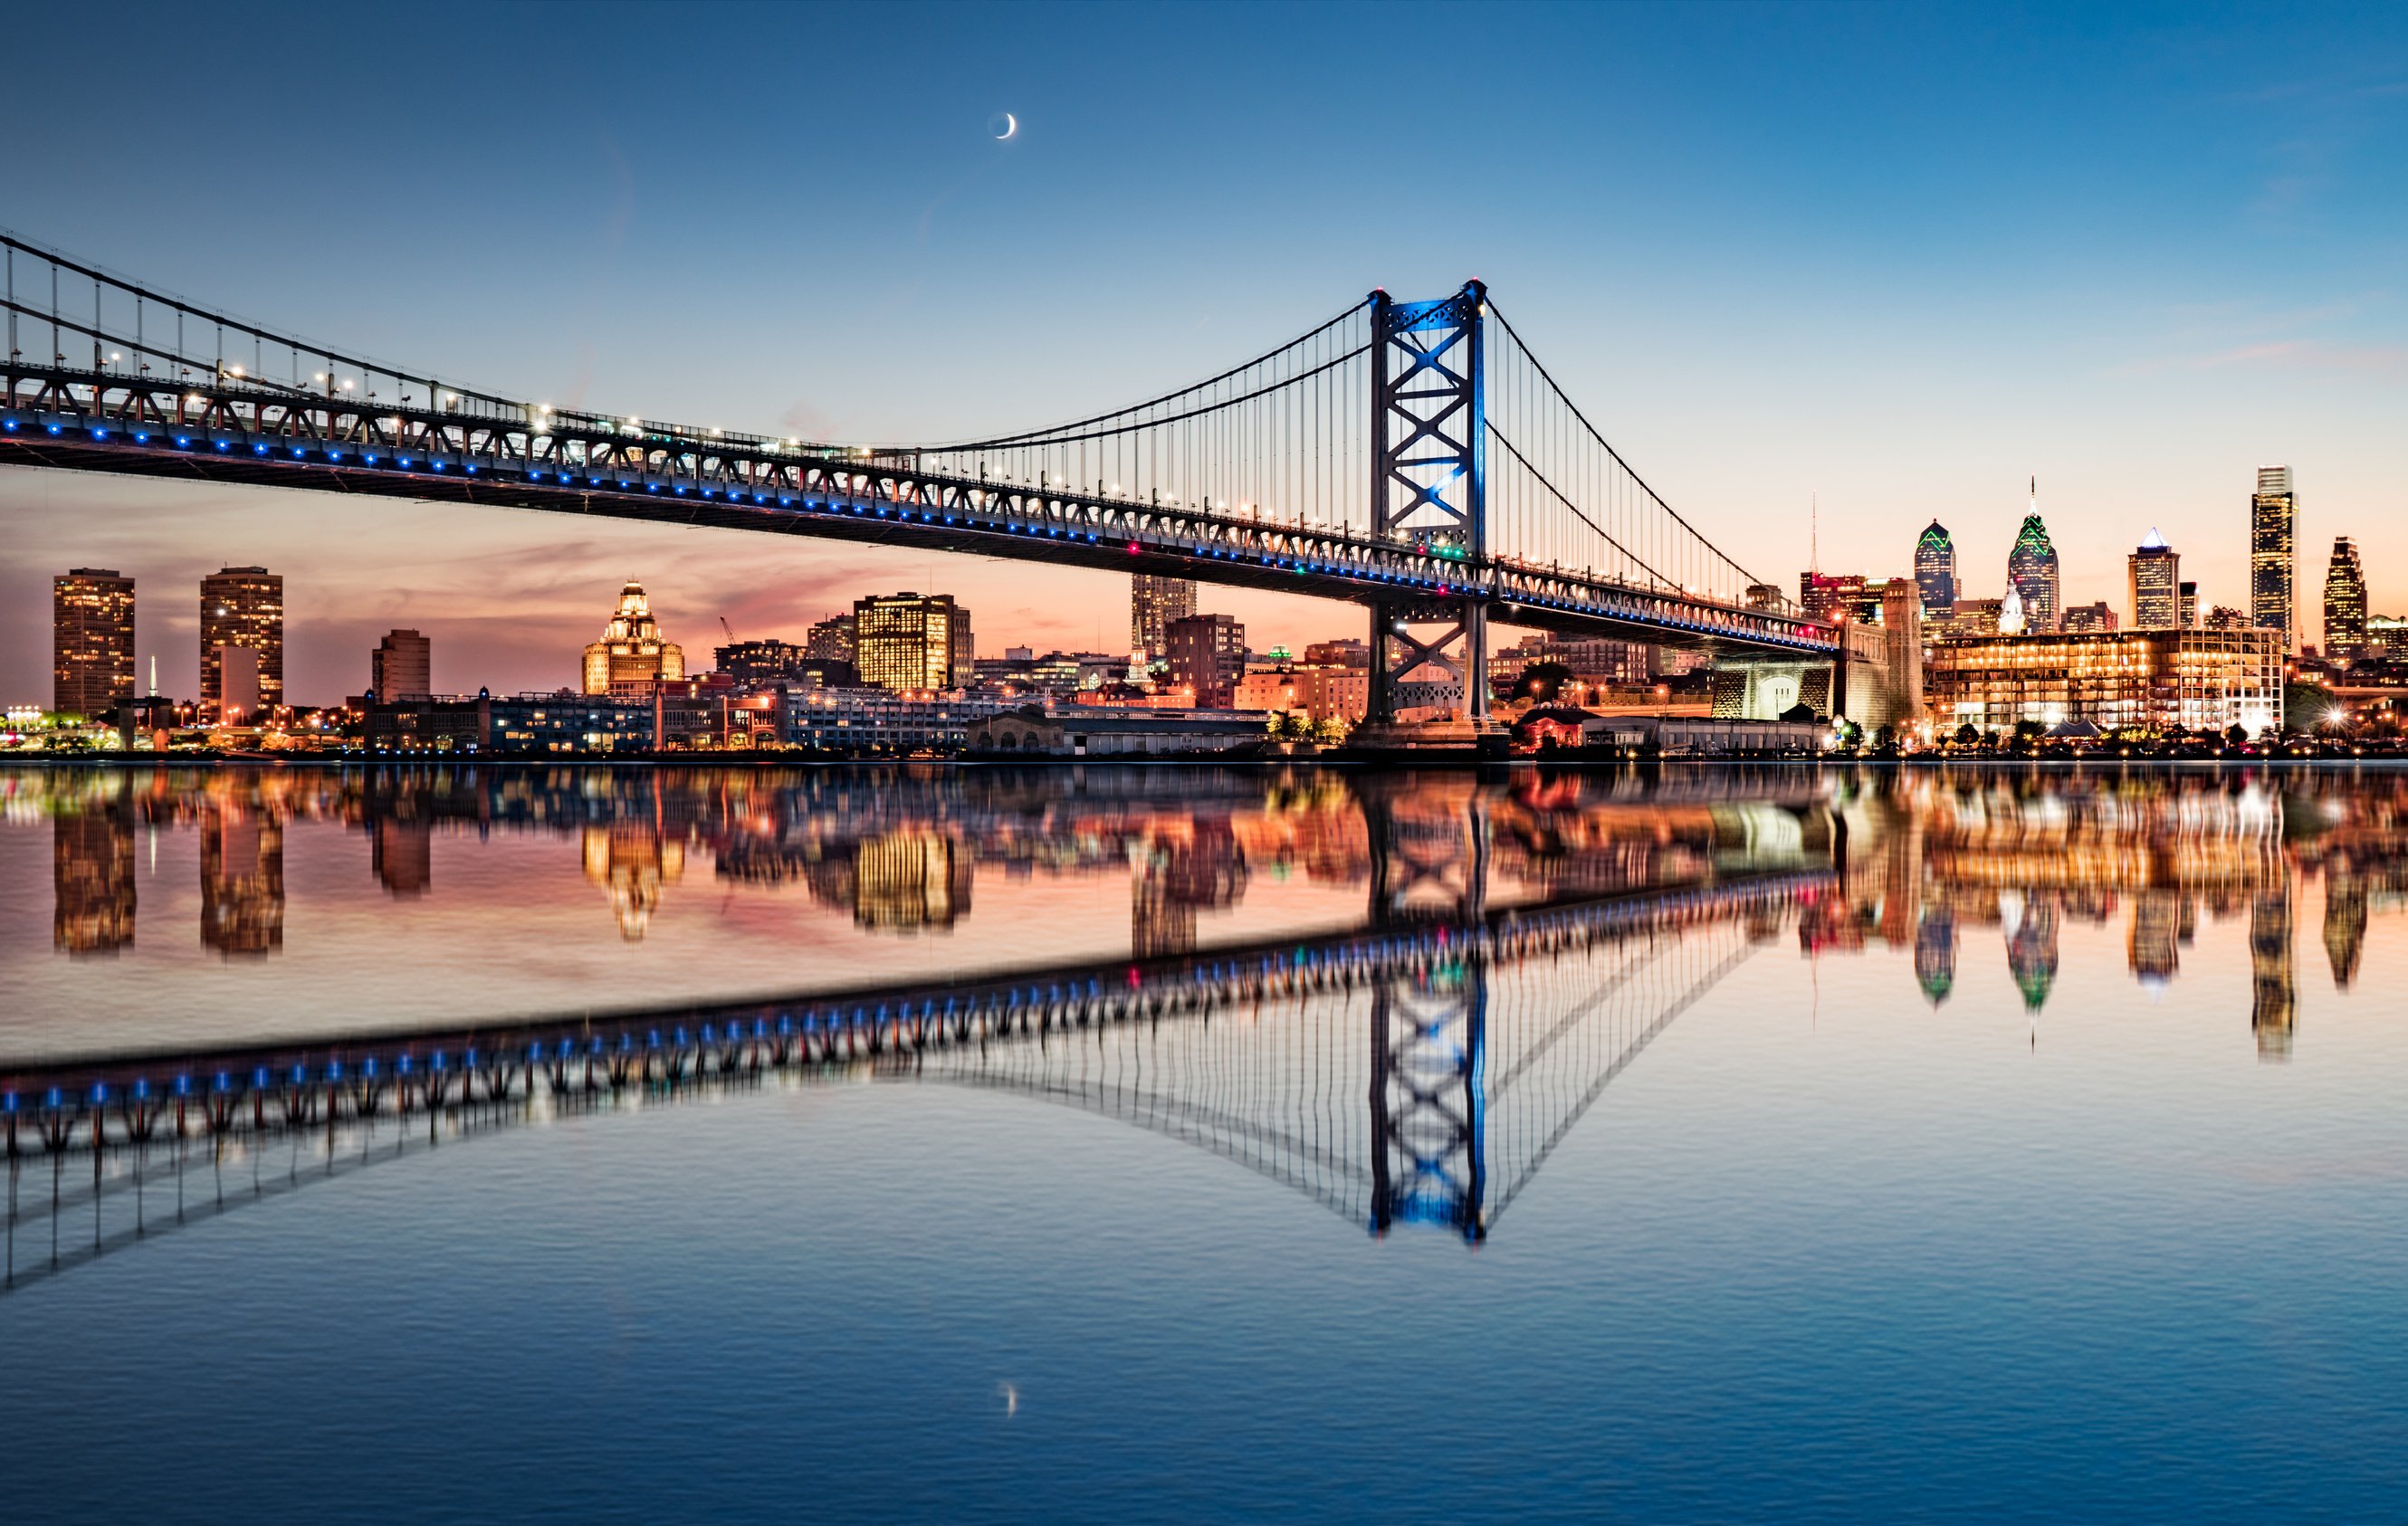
(1414, 458)
(1488, 1037)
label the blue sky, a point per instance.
(1898, 257)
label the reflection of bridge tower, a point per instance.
(1429, 1028)
(2275, 1005)
(242, 878)
(92, 876)
(2344, 925)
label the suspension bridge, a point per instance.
(1415, 458)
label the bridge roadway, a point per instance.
(489, 451)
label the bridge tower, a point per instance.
(1430, 1022)
(1430, 656)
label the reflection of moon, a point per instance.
(1010, 1399)
(1002, 125)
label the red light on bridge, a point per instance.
(1132, 548)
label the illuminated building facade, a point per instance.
(91, 641)
(244, 607)
(2146, 680)
(1208, 656)
(2273, 525)
(1975, 617)
(631, 648)
(2031, 572)
(830, 639)
(909, 641)
(2156, 582)
(2186, 606)
(2345, 603)
(2098, 615)
(1153, 603)
(1935, 571)
(402, 666)
(1828, 598)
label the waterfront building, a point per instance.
(1086, 730)
(632, 648)
(1207, 654)
(1153, 603)
(2099, 615)
(91, 641)
(402, 666)
(244, 607)
(2155, 583)
(2146, 680)
(1901, 705)
(1318, 693)
(872, 720)
(912, 641)
(1935, 571)
(2345, 603)
(2032, 570)
(2186, 608)
(2273, 524)
(831, 639)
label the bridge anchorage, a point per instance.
(1414, 458)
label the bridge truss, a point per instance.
(1404, 456)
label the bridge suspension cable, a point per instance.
(1278, 438)
(1560, 494)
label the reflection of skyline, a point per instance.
(1926, 858)
(92, 880)
(2275, 1005)
(242, 879)
(632, 861)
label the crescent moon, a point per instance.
(1010, 125)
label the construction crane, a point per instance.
(731, 634)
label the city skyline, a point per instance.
(2225, 305)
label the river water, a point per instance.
(1184, 1143)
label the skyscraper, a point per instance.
(91, 641)
(2273, 523)
(2344, 602)
(830, 639)
(242, 606)
(2187, 612)
(1207, 654)
(1153, 603)
(631, 648)
(1935, 571)
(402, 666)
(2155, 583)
(2031, 570)
(912, 641)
